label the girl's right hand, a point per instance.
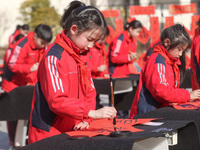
(34, 67)
(102, 68)
(132, 56)
(105, 112)
(195, 94)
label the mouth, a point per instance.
(84, 51)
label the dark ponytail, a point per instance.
(72, 6)
(134, 24)
(85, 18)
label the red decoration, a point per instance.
(142, 10)
(188, 105)
(105, 126)
(144, 36)
(111, 13)
(155, 29)
(119, 26)
(181, 9)
(169, 21)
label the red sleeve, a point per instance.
(118, 54)
(95, 58)
(160, 83)
(18, 58)
(56, 87)
(197, 51)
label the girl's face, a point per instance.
(134, 32)
(177, 51)
(39, 43)
(85, 40)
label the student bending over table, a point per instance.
(64, 96)
(164, 70)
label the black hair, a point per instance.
(177, 36)
(18, 27)
(134, 24)
(25, 27)
(85, 17)
(19, 36)
(198, 23)
(44, 32)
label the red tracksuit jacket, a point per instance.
(118, 54)
(12, 37)
(157, 86)
(60, 100)
(195, 61)
(97, 57)
(17, 71)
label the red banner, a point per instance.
(130, 19)
(169, 21)
(119, 26)
(194, 25)
(144, 36)
(142, 10)
(111, 13)
(155, 29)
(111, 35)
(181, 9)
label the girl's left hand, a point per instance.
(82, 125)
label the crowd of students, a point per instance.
(64, 97)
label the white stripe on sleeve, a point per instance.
(53, 70)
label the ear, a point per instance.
(74, 29)
(167, 43)
(34, 35)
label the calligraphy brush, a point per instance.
(112, 97)
(194, 79)
(33, 58)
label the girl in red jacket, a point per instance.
(64, 96)
(195, 59)
(163, 72)
(122, 50)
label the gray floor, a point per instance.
(4, 141)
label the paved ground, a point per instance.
(4, 141)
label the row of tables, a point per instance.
(185, 122)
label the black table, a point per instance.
(123, 101)
(170, 113)
(16, 104)
(60, 142)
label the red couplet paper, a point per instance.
(194, 25)
(144, 36)
(169, 21)
(188, 105)
(105, 126)
(111, 13)
(111, 35)
(142, 10)
(131, 19)
(155, 28)
(181, 9)
(119, 25)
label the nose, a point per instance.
(181, 52)
(90, 45)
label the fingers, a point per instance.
(109, 112)
(81, 126)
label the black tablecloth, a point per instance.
(61, 142)
(169, 113)
(123, 101)
(16, 104)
